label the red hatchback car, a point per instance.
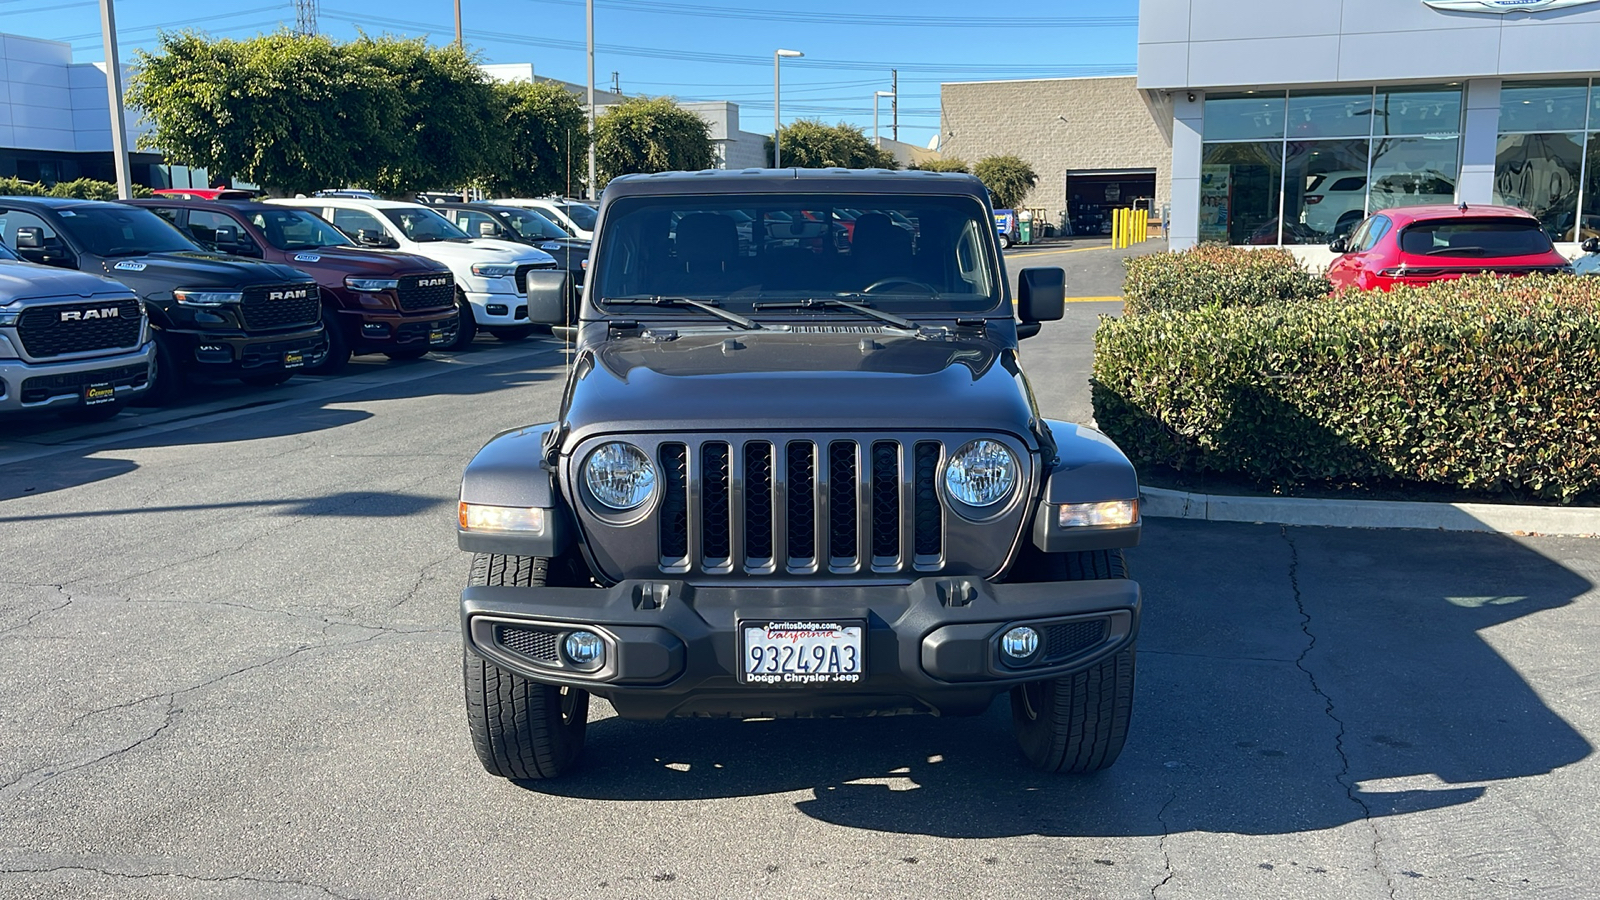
(1423, 244)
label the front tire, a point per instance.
(338, 347)
(467, 329)
(167, 381)
(520, 729)
(1077, 723)
(1005, 242)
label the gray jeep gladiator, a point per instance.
(798, 471)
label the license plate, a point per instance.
(801, 653)
(96, 394)
(435, 337)
(293, 360)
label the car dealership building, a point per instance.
(1291, 121)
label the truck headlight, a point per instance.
(477, 517)
(619, 476)
(1111, 512)
(981, 473)
(207, 298)
(487, 270)
(372, 284)
(9, 319)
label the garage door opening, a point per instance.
(1092, 196)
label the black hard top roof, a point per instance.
(794, 181)
(240, 205)
(53, 202)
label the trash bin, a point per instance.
(1025, 228)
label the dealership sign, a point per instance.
(1504, 6)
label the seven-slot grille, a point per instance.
(522, 273)
(281, 305)
(436, 291)
(79, 327)
(781, 505)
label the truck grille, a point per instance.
(801, 506)
(522, 274)
(267, 307)
(58, 330)
(436, 294)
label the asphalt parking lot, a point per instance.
(229, 648)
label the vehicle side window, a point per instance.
(1376, 228)
(472, 222)
(165, 212)
(351, 221)
(12, 219)
(1350, 184)
(1359, 235)
(203, 226)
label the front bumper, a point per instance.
(369, 332)
(493, 310)
(58, 385)
(236, 353)
(672, 648)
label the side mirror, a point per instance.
(1592, 245)
(488, 229)
(547, 296)
(1340, 244)
(226, 235)
(30, 238)
(371, 237)
(1041, 294)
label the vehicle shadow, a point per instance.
(1322, 677)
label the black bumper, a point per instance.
(233, 353)
(673, 648)
(367, 332)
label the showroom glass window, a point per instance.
(1539, 156)
(1589, 221)
(1343, 154)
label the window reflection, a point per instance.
(1589, 224)
(1415, 171)
(1244, 117)
(1539, 173)
(1542, 106)
(1239, 189)
(1324, 189)
(1417, 111)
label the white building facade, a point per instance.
(1294, 120)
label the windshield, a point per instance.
(1477, 238)
(5, 253)
(908, 254)
(529, 223)
(108, 230)
(581, 214)
(423, 225)
(296, 229)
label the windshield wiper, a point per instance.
(683, 302)
(1458, 251)
(840, 303)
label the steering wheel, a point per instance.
(899, 279)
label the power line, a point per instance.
(857, 19)
(175, 25)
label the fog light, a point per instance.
(375, 329)
(1020, 642)
(585, 649)
(496, 309)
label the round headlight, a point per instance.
(619, 475)
(981, 473)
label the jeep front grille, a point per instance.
(762, 506)
(441, 294)
(262, 312)
(58, 330)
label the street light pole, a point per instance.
(459, 45)
(589, 10)
(119, 128)
(776, 126)
(875, 96)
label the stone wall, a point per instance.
(1059, 125)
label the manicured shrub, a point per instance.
(1217, 275)
(1485, 384)
(81, 189)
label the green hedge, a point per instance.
(1485, 384)
(81, 189)
(1216, 275)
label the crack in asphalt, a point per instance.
(30, 619)
(184, 876)
(1271, 659)
(50, 774)
(1166, 858)
(422, 576)
(1343, 775)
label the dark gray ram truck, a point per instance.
(798, 471)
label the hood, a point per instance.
(164, 271)
(743, 381)
(342, 261)
(27, 281)
(483, 250)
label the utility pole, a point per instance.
(894, 105)
(459, 45)
(119, 127)
(616, 82)
(589, 5)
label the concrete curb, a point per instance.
(1489, 517)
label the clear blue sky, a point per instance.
(690, 49)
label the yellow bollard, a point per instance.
(1116, 229)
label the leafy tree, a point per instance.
(950, 164)
(290, 112)
(650, 135)
(809, 144)
(447, 130)
(545, 141)
(1008, 179)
